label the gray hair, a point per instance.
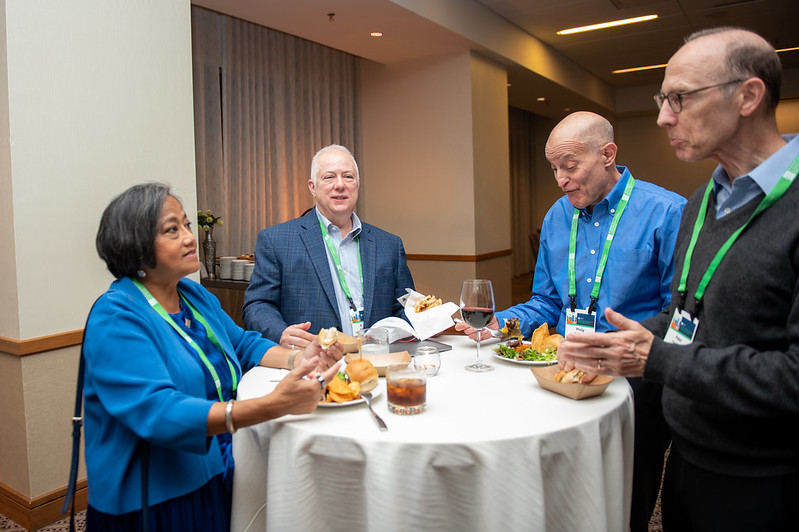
(749, 57)
(315, 161)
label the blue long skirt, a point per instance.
(206, 509)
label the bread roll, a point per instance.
(363, 371)
(552, 341)
(327, 337)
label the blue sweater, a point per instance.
(143, 381)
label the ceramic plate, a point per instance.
(526, 362)
(376, 392)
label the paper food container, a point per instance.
(546, 379)
(348, 343)
(381, 360)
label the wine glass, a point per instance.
(477, 309)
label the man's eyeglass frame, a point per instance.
(675, 98)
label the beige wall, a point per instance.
(644, 148)
(435, 165)
(96, 96)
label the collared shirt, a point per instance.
(730, 196)
(347, 249)
(640, 262)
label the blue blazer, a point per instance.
(143, 381)
(291, 282)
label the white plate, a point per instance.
(525, 362)
(376, 392)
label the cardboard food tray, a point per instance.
(348, 343)
(382, 360)
(546, 379)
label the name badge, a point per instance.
(682, 328)
(580, 320)
(356, 317)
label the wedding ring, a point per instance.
(322, 382)
(599, 363)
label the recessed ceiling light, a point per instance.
(376, 34)
(541, 99)
(654, 67)
(604, 25)
(638, 69)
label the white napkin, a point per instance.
(423, 324)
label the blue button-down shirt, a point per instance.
(347, 249)
(640, 262)
(730, 196)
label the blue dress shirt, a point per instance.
(348, 250)
(730, 196)
(640, 262)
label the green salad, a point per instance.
(528, 355)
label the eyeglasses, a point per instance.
(675, 98)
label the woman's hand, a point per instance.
(301, 390)
(323, 358)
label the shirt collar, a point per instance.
(611, 201)
(356, 223)
(767, 173)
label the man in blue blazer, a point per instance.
(326, 268)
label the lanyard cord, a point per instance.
(776, 193)
(339, 270)
(208, 330)
(603, 259)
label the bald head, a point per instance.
(589, 129)
(582, 155)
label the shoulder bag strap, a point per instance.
(77, 423)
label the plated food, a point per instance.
(542, 349)
(361, 370)
(359, 377)
(510, 330)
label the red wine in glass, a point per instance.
(477, 317)
(477, 309)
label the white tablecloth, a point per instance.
(494, 451)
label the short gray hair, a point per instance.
(338, 147)
(750, 57)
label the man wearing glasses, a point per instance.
(727, 349)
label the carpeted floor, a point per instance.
(7, 525)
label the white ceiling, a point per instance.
(408, 35)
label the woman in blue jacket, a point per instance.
(162, 364)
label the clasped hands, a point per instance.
(623, 352)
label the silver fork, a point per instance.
(367, 398)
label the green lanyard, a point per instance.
(210, 332)
(603, 259)
(334, 254)
(775, 194)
